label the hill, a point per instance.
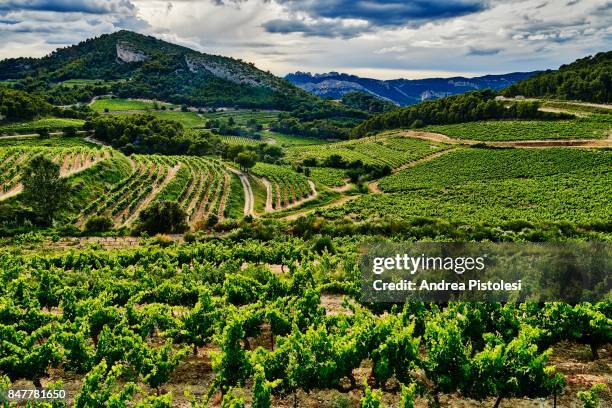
(138, 66)
(399, 91)
(469, 107)
(587, 79)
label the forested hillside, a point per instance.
(134, 65)
(469, 107)
(587, 79)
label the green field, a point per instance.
(577, 107)
(117, 104)
(189, 120)
(593, 127)
(493, 186)
(242, 116)
(290, 140)
(51, 124)
(392, 150)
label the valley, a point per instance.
(180, 229)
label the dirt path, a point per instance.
(91, 139)
(151, 196)
(344, 188)
(585, 143)
(249, 198)
(269, 207)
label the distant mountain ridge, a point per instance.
(152, 68)
(402, 92)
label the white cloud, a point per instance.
(507, 35)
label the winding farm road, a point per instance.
(526, 144)
(269, 206)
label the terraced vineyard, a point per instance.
(51, 124)
(71, 161)
(391, 150)
(472, 185)
(240, 140)
(592, 127)
(199, 185)
(286, 186)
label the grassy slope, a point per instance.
(189, 120)
(259, 194)
(234, 207)
(120, 105)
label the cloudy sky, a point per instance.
(375, 38)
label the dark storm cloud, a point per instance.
(70, 6)
(386, 12)
(484, 51)
(317, 28)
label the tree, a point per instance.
(163, 217)
(43, 189)
(70, 131)
(98, 224)
(246, 160)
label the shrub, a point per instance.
(162, 240)
(323, 243)
(98, 224)
(163, 217)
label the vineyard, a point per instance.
(328, 176)
(141, 326)
(496, 186)
(391, 150)
(201, 187)
(240, 140)
(71, 161)
(592, 127)
(286, 186)
(182, 229)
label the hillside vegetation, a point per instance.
(134, 65)
(469, 107)
(587, 79)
